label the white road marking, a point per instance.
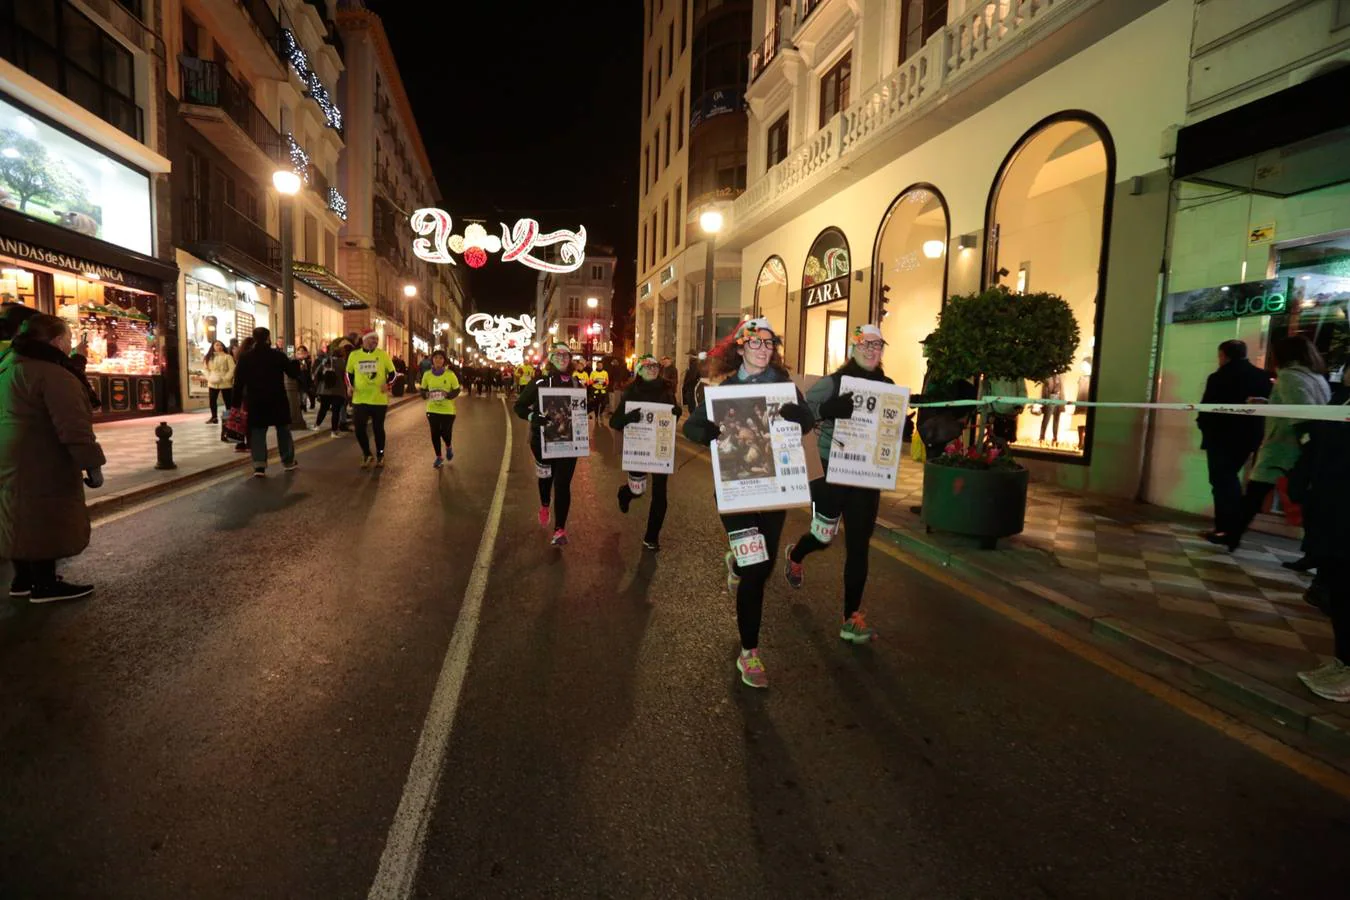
(407, 834)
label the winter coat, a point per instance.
(827, 389)
(1294, 385)
(655, 391)
(329, 372)
(1233, 382)
(220, 371)
(261, 381)
(46, 441)
(1321, 484)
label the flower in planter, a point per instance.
(991, 453)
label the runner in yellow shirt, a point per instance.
(370, 378)
(599, 391)
(440, 387)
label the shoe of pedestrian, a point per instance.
(856, 630)
(733, 580)
(438, 463)
(625, 498)
(543, 516)
(653, 546)
(367, 462)
(379, 461)
(213, 421)
(1321, 672)
(1232, 542)
(1306, 564)
(917, 510)
(335, 434)
(1318, 596)
(259, 473)
(795, 572)
(559, 537)
(291, 466)
(449, 454)
(18, 591)
(1334, 686)
(59, 590)
(240, 448)
(751, 668)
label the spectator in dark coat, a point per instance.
(261, 381)
(1229, 440)
(691, 377)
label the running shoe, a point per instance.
(1309, 678)
(259, 473)
(653, 546)
(335, 434)
(856, 629)
(795, 572)
(733, 580)
(751, 668)
(543, 516)
(625, 498)
(1334, 686)
(291, 466)
(18, 590)
(438, 463)
(559, 537)
(367, 462)
(60, 590)
(379, 461)
(449, 454)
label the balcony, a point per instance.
(253, 31)
(765, 53)
(219, 107)
(219, 232)
(953, 71)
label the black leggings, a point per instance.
(559, 485)
(442, 429)
(375, 413)
(857, 508)
(335, 405)
(216, 394)
(750, 594)
(656, 517)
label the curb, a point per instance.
(110, 503)
(1331, 731)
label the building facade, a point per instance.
(84, 191)
(693, 158)
(577, 308)
(386, 174)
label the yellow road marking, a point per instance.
(1316, 771)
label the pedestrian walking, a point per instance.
(751, 355)
(306, 379)
(832, 504)
(1298, 382)
(219, 379)
(261, 381)
(647, 387)
(1229, 441)
(555, 475)
(330, 387)
(440, 387)
(370, 378)
(691, 379)
(243, 445)
(48, 454)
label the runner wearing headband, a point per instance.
(648, 387)
(555, 475)
(856, 506)
(749, 356)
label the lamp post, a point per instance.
(287, 184)
(711, 223)
(409, 293)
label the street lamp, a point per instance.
(409, 292)
(592, 302)
(287, 183)
(711, 223)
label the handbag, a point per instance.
(235, 426)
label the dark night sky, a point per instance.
(527, 109)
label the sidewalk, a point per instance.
(1234, 623)
(198, 451)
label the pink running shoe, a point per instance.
(752, 669)
(559, 537)
(543, 516)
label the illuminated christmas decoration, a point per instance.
(299, 60)
(337, 203)
(503, 339)
(299, 158)
(515, 244)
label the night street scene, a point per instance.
(674, 449)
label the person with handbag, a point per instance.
(261, 380)
(331, 388)
(236, 421)
(219, 379)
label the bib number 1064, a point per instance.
(748, 546)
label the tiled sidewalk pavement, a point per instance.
(1140, 573)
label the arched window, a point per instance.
(909, 278)
(825, 292)
(771, 292)
(1049, 218)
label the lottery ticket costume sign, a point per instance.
(758, 461)
(649, 443)
(565, 433)
(866, 448)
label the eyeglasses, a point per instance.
(760, 343)
(871, 345)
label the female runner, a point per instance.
(648, 387)
(857, 506)
(555, 476)
(440, 386)
(749, 356)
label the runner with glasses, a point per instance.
(648, 387)
(855, 506)
(555, 475)
(750, 355)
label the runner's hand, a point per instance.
(793, 412)
(676, 411)
(840, 407)
(632, 417)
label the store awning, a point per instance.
(326, 281)
(1293, 141)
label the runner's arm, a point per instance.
(527, 401)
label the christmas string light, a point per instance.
(299, 60)
(337, 203)
(299, 158)
(502, 339)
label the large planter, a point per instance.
(986, 504)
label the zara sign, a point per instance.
(827, 291)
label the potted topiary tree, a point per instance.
(981, 490)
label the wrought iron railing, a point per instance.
(220, 223)
(205, 83)
(764, 54)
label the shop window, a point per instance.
(834, 86)
(1049, 212)
(777, 141)
(826, 281)
(1315, 279)
(771, 292)
(920, 20)
(909, 279)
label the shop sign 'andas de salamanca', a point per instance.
(515, 244)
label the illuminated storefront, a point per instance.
(218, 305)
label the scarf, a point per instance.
(45, 352)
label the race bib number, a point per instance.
(436, 395)
(638, 486)
(368, 367)
(542, 471)
(749, 547)
(824, 528)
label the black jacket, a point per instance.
(260, 380)
(1320, 482)
(691, 376)
(1233, 382)
(527, 404)
(701, 430)
(655, 391)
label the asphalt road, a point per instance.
(235, 712)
